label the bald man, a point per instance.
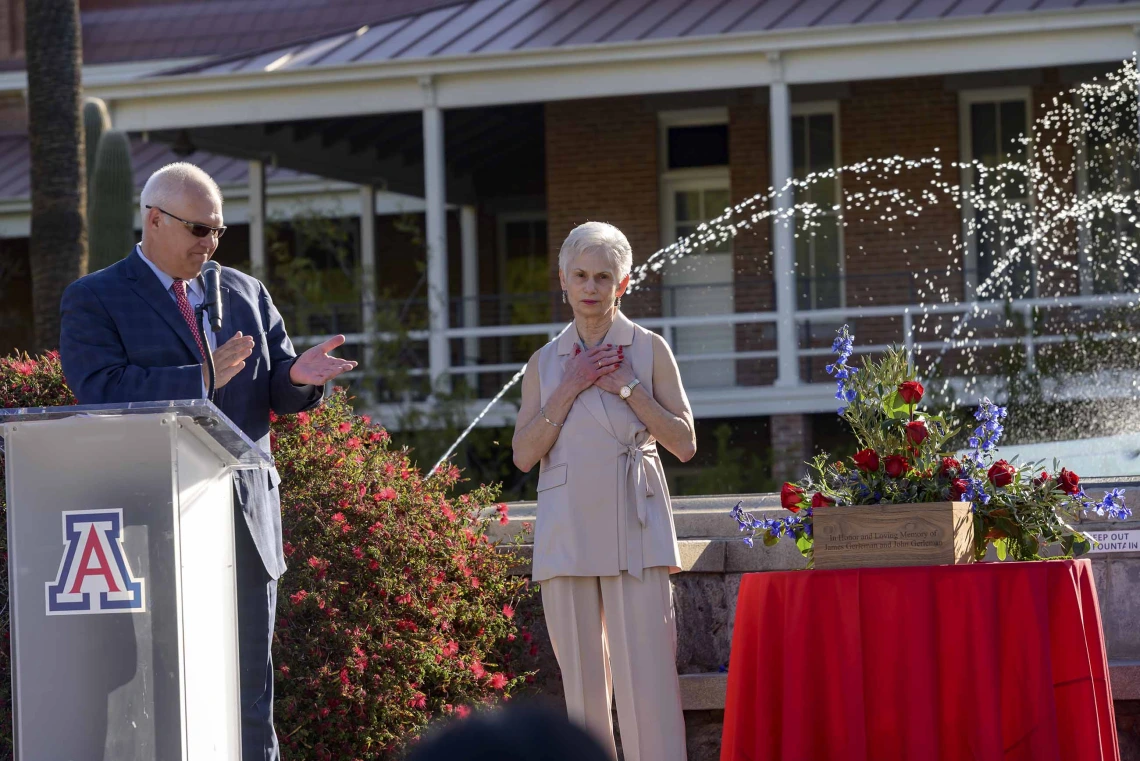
(129, 334)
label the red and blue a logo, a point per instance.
(94, 576)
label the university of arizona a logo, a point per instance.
(94, 576)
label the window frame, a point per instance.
(966, 99)
(814, 108)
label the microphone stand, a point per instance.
(198, 311)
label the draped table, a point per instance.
(985, 662)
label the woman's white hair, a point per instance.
(166, 184)
(597, 235)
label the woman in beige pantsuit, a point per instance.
(595, 402)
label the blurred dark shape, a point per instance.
(514, 733)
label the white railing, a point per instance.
(907, 314)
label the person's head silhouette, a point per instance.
(510, 734)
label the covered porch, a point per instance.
(510, 146)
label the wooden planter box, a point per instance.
(865, 536)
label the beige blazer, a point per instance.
(603, 503)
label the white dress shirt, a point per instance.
(195, 292)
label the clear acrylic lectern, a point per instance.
(121, 577)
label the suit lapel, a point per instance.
(592, 398)
(146, 285)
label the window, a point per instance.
(695, 189)
(1000, 260)
(819, 238)
(1109, 166)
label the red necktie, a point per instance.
(187, 312)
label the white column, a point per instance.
(469, 230)
(434, 198)
(783, 231)
(257, 263)
(368, 274)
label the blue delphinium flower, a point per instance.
(986, 436)
(1111, 505)
(843, 345)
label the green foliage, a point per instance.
(734, 470)
(96, 121)
(111, 202)
(396, 608)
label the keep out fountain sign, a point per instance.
(1116, 541)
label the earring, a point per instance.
(618, 302)
(564, 297)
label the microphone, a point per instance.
(212, 280)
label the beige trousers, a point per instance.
(617, 633)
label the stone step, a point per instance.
(694, 517)
(716, 555)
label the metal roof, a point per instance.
(15, 174)
(500, 26)
(192, 28)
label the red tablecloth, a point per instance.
(950, 663)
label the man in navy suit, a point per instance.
(130, 334)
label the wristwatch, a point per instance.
(627, 391)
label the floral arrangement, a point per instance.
(396, 610)
(1019, 508)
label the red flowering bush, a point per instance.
(396, 609)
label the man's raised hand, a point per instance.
(229, 360)
(315, 367)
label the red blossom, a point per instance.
(498, 681)
(477, 669)
(791, 497)
(344, 427)
(508, 611)
(462, 711)
(820, 499)
(1001, 473)
(1068, 481)
(303, 418)
(910, 392)
(958, 487)
(916, 432)
(949, 467)
(896, 465)
(867, 460)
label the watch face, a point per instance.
(625, 392)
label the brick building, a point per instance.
(500, 124)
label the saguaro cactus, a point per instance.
(96, 121)
(112, 224)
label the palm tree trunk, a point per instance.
(58, 246)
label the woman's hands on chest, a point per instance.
(586, 368)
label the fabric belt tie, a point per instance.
(636, 477)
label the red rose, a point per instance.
(896, 465)
(916, 432)
(1001, 473)
(958, 487)
(949, 465)
(820, 500)
(1068, 481)
(911, 391)
(791, 497)
(1041, 478)
(866, 460)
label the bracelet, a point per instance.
(542, 411)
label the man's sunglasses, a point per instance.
(197, 230)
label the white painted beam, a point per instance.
(368, 274)
(256, 210)
(469, 231)
(783, 233)
(436, 233)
